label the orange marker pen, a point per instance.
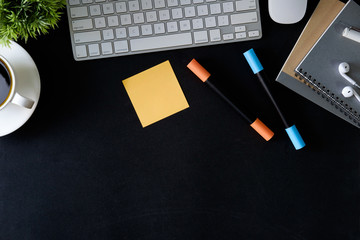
(254, 122)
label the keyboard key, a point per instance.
(172, 3)
(164, 15)
(223, 20)
(94, 50)
(215, 8)
(151, 16)
(202, 10)
(228, 7)
(189, 12)
(120, 33)
(228, 36)
(138, 18)
(159, 3)
(106, 48)
(159, 28)
(176, 13)
(80, 51)
(242, 18)
(100, 22)
(197, 23)
(210, 22)
(108, 34)
(134, 6)
(113, 21)
(121, 46)
(240, 29)
(95, 10)
(74, 2)
(172, 27)
(185, 2)
(201, 37)
(146, 4)
(108, 8)
(158, 42)
(245, 5)
(120, 7)
(83, 24)
(146, 30)
(215, 35)
(77, 12)
(125, 19)
(87, 37)
(254, 33)
(185, 25)
(134, 31)
(240, 35)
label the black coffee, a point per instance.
(4, 83)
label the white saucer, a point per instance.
(27, 78)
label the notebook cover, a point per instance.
(323, 16)
(320, 65)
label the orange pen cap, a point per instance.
(198, 70)
(262, 129)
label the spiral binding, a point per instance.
(328, 95)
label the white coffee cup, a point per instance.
(21, 95)
(13, 95)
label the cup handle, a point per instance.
(22, 101)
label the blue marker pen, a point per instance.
(257, 68)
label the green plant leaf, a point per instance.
(21, 19)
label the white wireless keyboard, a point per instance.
(109, 28)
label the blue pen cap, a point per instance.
(295, 137)
(253, 61)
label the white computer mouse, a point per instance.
(287, 11)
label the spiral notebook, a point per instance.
(324, 17)
(319, 68)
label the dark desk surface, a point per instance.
(83, 167)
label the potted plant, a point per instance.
(21, 19)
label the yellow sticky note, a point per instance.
(155, 93)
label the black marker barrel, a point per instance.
(254, 122)
(258, 69)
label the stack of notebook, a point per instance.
(311, 70)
